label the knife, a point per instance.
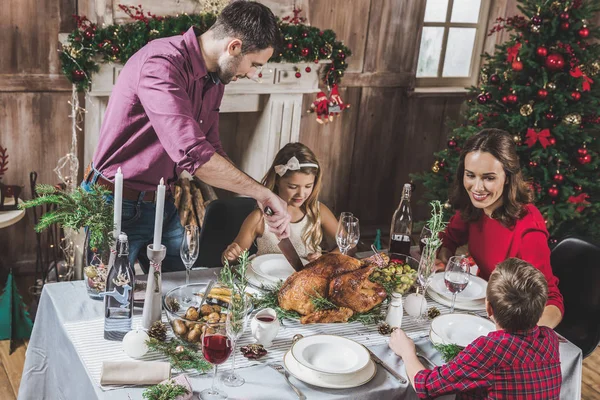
(395, 374)
(288, 249)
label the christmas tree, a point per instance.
(14, 318)
(541, 86)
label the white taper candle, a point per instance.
(158, 218)
(118, 202)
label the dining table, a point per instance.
(67, 348)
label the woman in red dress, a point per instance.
(496, 216)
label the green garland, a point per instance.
(90, 44)
(165, 391)
(185, 359)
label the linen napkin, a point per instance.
(134, 372)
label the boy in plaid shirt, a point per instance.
(518, 361)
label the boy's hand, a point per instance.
(401, 344)
(232, 252)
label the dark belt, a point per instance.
(128, 194)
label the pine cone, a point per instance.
(433, 312)
(158, 331)
(385, 329)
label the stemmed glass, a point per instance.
(216, 348)
(237, 319)
(456, 276)
(189, 248)
(348, 233)
(425, 236)
(424, 275)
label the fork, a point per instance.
(283, 372)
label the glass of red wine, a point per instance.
(425, 235)
(216, 348)
(456, 276)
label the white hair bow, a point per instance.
(292, 165)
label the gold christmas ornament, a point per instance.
(179, 349)
(526, 110)
(572, 119)
(594, 68)
(551, 86)
(447, 205)
(535, 28)
(555, 7)
(435, 167)
(517, 139)
(505, 75)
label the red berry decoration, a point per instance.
(576, 96)
(441, 164)
(89, 34)
(290, 46)
(494, 79)
(77, 75)
(304, 34)
(555, 62)
(565, 25)
(584, 32)
(260, 74)
(537, 20)
(564, 16)
(552, 140)
(307, 69)
(114, 49)
(517, 65)
(542, 94)
(482, 98)
(504, 99)
(298, 74)
(452, 143)
(512, 98)
(533, 163)
(550, 116)
(585, 159)
(541, 51)
(488, 95)
(323, 51)
(304, 52)
(578, 188)
(342, 55)
(558, 177)
(553, 191)
(582, 151)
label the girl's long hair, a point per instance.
(312, 234)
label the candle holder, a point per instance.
(152, 301)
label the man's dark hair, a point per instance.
(251, 22)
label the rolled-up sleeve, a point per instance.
(161, 90)
(456, 233)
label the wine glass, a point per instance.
(456, 276)
(189, 248)
(425, 236)
(216, 348)
(348, 233)
(424, 275)
(237, 319)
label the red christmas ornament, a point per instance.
(576, 96)
(533, 164)
(551, 140)
(494, 79)
(290, 46)
(512, 98)
(517, 65)
(482, 98)
(304, 34)
(307, 69)
(584, 159)
(558, 177)
(553, 191)
(582, 151)
(452, 143)
(77, 75)
(504, 99)
(304, 52)
(488, 96)
(584, 32)
(542, 94)
(555, 62)
(342, 55)
(542, 51)
(537, 20)
(565, 25)
(323, 51)
(550, 116)
(298, 74)
(89, 34)
(564, 16)
(441, 164)
(114, 49)
(578, 188)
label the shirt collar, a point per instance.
(198, 65)
(535, 331)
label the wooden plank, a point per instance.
(349, 22)
(34, 83)
(5, 386)
(379, 79)
(13, 364)
(393, 36)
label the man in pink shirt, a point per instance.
(163, 118)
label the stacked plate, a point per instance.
(330, 361)
(269, 269)
(459, 329)
(472, 298)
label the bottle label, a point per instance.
(400, 238)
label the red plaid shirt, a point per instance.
(518, 366)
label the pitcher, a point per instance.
(265, 326)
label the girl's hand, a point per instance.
(401, 344)
(232, 252)
(313, 256)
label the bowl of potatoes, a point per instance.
(189, 315)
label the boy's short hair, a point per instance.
(251, 22)
(517, 293)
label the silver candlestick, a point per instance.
(152, 300)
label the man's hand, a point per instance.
(313, 256)
(279, 221)
(401, 344)
(232, 252)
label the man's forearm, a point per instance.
(221, 173)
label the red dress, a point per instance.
(490, 243)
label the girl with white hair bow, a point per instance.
(295, 176)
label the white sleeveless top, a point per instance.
(267, 243)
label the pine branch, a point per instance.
(185, 360)
(165, 391)
(448, 351)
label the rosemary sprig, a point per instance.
(448, 351)
(186, 360)
(437, 225)
(371, 317)
(165, 391)
(235, 278)
(269, 299)
(320, 302)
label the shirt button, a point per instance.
(201, 121)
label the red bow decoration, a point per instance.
(533, 136)
(587, 82)
(581, 199)
(513, 52)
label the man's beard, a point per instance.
(227, 68)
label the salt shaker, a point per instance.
(395, 311)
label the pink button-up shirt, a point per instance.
(162, 116)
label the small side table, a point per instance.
(8, 218)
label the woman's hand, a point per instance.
(232, 252)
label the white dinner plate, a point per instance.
(475, 289)
(330, 354)
(272, 267)
(478, 305)
(257, 282)
(329, 381)
(460, 329)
